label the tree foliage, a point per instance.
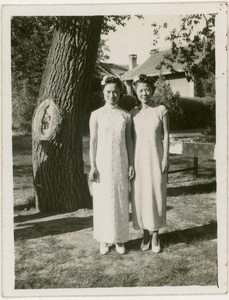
(192, 44)
(110, 22)
(163, 95)
(185, 113)
(30, 43)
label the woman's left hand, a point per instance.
(131, 172)
(164, 165)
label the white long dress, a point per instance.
(149, 185)
(110, 192)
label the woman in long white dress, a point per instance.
(151, 150)
(111, 157)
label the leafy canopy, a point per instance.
(191, 43)
(30, 42)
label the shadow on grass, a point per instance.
(23, 170)
(52, 227)
(22, 144)
(169, 207)
(201, 233)
(191, 190)
(30, 203)
(34, 216)
(25, 206)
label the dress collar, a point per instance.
(150, 104)
(110, 106)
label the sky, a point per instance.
(137, 38)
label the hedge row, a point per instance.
(198, 113)
(184, 113)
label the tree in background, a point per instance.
(193, 45)
(30, 42)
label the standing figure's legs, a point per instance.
(146, 237)
(146, 240)
(120, 248)
(156, 247)
(104, 248)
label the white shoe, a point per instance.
(156, 249)
(144, 247)
(120, 250)
(104, 249)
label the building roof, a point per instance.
(112, 69)
(151, 66)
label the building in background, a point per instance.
(151, 67)
(111, 69)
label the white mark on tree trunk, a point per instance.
(46, 121)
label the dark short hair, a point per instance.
(142, 78)
(111, 79)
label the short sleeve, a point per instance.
(162, 111)
(93, 117)
(134, 112)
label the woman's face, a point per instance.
(111, 93)
(144, 92)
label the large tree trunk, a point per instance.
(58, 168)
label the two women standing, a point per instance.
(119, 143)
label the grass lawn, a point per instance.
(58, 250)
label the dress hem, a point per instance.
(109, 242)
(144, 228)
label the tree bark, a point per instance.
(58, 168)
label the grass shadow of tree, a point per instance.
(205, 232)
(33, 216)
(192, 189)
(23, 170)
(35, 230)
(30, 203)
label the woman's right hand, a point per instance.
(131, 172)
(93, 175)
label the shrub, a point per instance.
(199, 113)
(176, 112)
(209, 114)
(23, 105)
(193, 111)
(127, 102)
(163, 95)
(185, 112)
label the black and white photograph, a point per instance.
(114, 149)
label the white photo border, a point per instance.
(29, 8)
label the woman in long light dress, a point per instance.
(111, 156)
(151, 150)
